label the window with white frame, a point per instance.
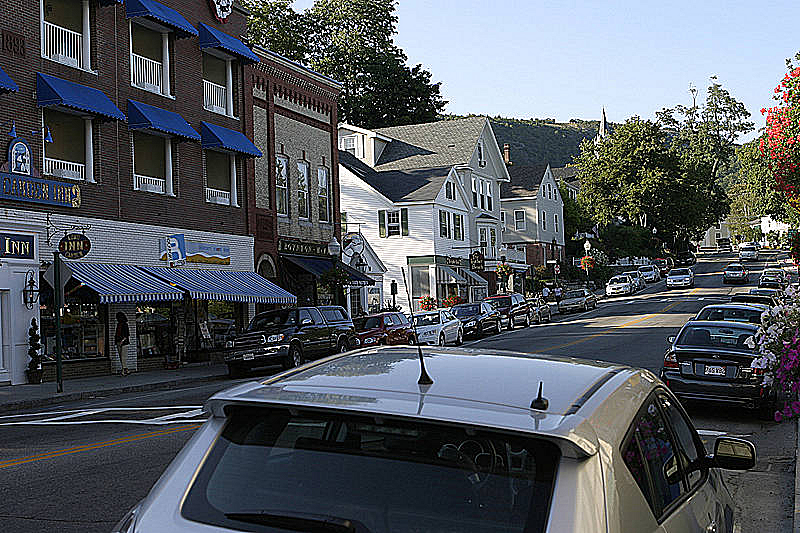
(544, 220)
(220, 171)
(152, 163)
(493, 242)
(450, 190)
(483, 242)
(150, 59)
(489, 196)
(71, 153)
(392, 223)
(555, 222)
(324, 193)
(218, 81)
(282, 184)
(66, 32)
(354, 144)
(519, 220)
(483, 194)
(458, 227)
(474, 192)
(303, 207)
(481, 160)
(444, 224)
(503, 220)
(549, 191)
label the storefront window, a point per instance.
(154, 331)
(221, 321)
(83, 331)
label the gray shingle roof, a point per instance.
(525, 181)
(434, 144)
(565, 174)
(419, 185)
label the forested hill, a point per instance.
(535, 141)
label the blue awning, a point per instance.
(55, 91)
(225, 139)
(6, 83)
(144, 116)
(224, 285)
(211, 37)
(122, 283)
(160, 13)
(110, 2)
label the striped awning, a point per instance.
(223, 285)
(122, 283)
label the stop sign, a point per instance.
(557, 269)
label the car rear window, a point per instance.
(387, 475)
(504, 301)
(679, 272)
(617, 279)
(426, 320)
(707, 336)
(462, 311)
(735, 268)
(573, 294)
(367, 322)
(728, 314)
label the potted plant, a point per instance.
(34, 371)
(450, 301)
(428, 303)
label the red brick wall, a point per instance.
(113, 196)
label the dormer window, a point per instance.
(353, 144)
(450, 190)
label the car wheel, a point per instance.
(586, 306)
(510, 322)
(527, 323)
(235, 370)
(343, 346)
(295, 357)
(411, 340)
(460, 338)
(441, 339)
(539, 317)
(498, 326)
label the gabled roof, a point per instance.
(566, 175)
(434, 144)
(525, 181)
(417, 185)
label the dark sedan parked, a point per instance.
(512, 307)
(733, 312)
(711, 361)
(383, 328)
(477, 318)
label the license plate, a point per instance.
(715, 370)
(248, 357)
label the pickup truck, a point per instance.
(290, 337)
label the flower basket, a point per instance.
(334, 278)
(427, 303)
(587, 262)
(504, 270)
(450, 301)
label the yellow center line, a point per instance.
(619, 326)
(94, 446)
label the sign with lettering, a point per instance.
(12, 44)
(476, 262)
(15, 246)
(74, 245)
(452, 261)
(39, 191)
(293, 247)
(200, 252)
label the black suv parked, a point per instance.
(289, 337)
(513, 308)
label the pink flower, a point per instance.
(787, 411)
(796, 407)
(778, 416)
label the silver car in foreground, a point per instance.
(497, 442)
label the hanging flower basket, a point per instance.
(504, 270)
(587, 262)
(450, 301)
(428, 303)
(334, 278)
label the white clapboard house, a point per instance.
(426, 196)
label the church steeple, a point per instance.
(602, 131)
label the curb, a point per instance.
(796, 516)
(87, 395)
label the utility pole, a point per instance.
(59, 305)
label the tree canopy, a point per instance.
(351, 41)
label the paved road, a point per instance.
(79, 467)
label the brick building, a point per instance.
(128, 124)
(295, 206)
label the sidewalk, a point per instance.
(15, 397)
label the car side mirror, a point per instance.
(671, 339)
(733, 454)
(306, 322)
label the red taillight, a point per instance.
(758, 371)
(670, 362)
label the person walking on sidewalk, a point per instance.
(546, 293)
(122, 338)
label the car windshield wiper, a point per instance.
(296, 521)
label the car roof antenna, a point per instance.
(540, 403)
(424, 378)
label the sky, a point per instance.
(563, 60)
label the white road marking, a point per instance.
(183, 414)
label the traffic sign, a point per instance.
(557, 269)
(66, 274)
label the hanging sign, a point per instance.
(21, 184)
(221, 9)
(476, 262)
(74, 246)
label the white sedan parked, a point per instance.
(438, 327)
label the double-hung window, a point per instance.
(544, 220)
(555, 222)
(353, 144)
(450, 190)
(502, 220)
(303, 207)
(489, 198)
(474, 192)
(324, 193)
(519, 220)
(483, 194)
(458, 227)
(483, 235)
(493, 242)
(444, 224)
(393, 223)
(282, 184)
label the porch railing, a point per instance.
(64, 169)
(62, 45)
(214, 97)
(146, 73)
(148, 183)
(217, 196)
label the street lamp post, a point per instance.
(587, 246)
(335, 250)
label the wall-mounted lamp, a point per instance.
(44, 131)
(13, 132)
(30, 292)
